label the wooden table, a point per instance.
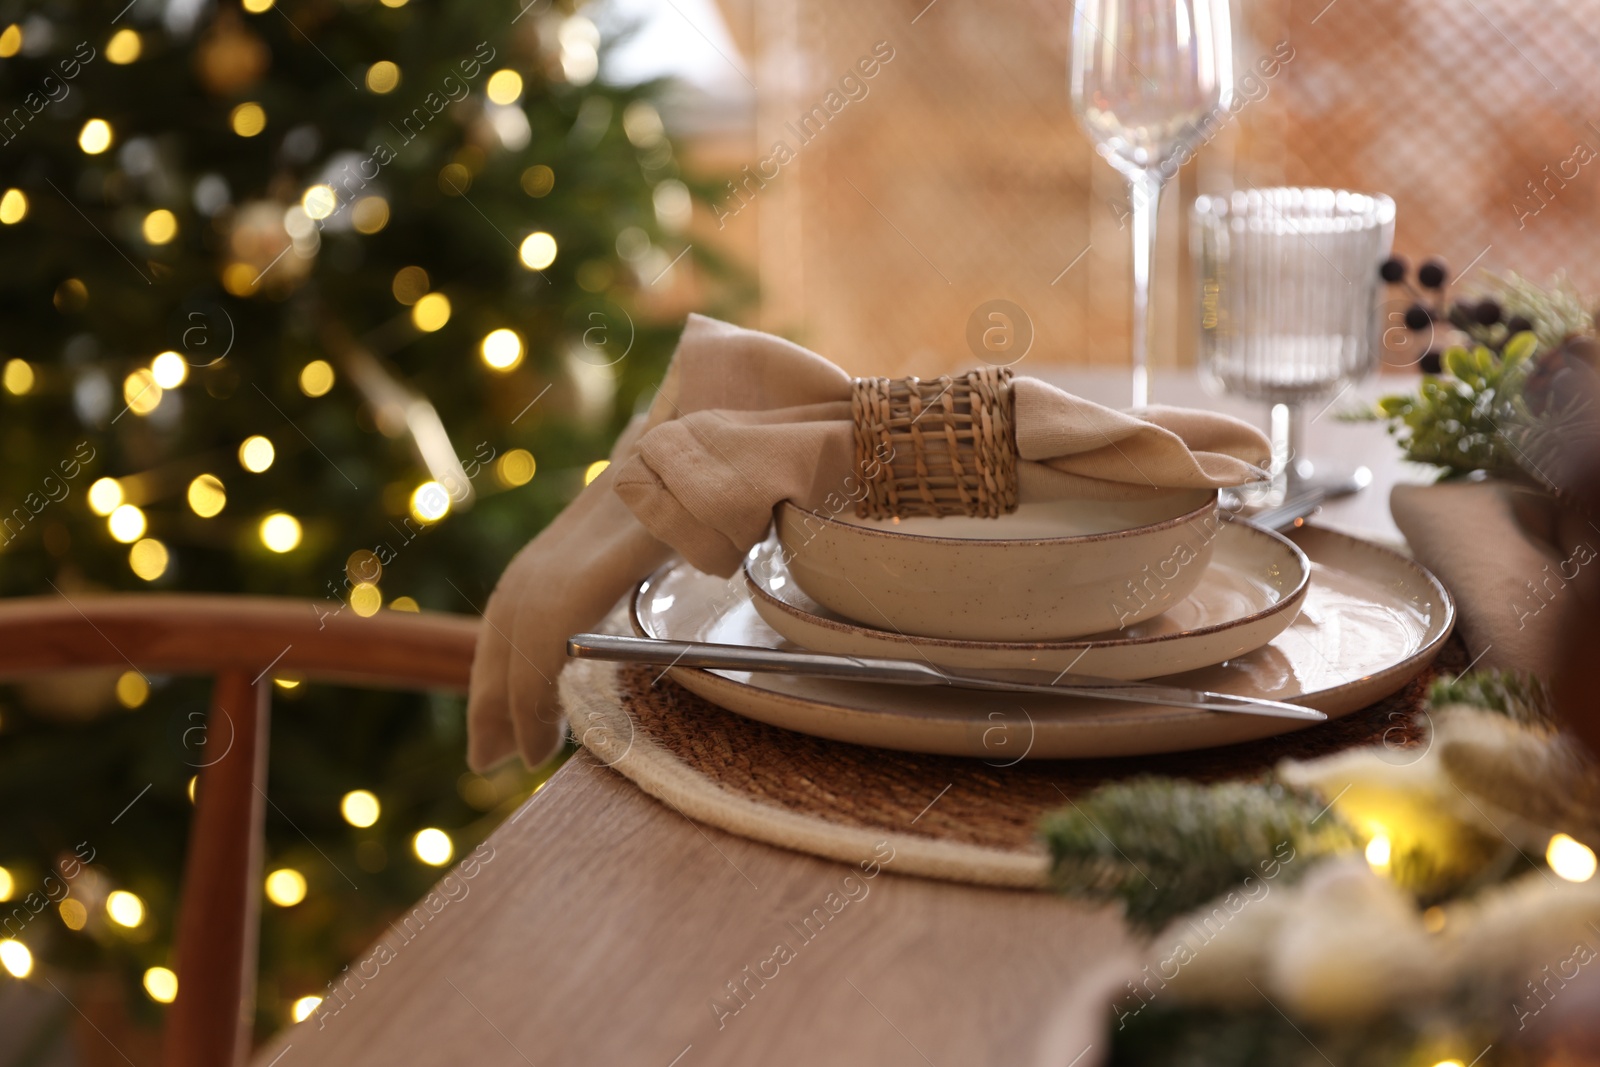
(607, 927)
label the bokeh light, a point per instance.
(13, 207)
(370, 214)
(673, 203)
(104, 496)
(286, 887)
(124, 47)
(160, 226)
(365, 599)
(280, 532)
(515, 468)
(74, 916)
(125, 908)
(538, 180)
(15, 957)
(383, 76)
(240, 279)
(316, 378)
(126, 523)
(594, 469)
(504, 86)
(430, 502)
(431, 312)
(409, 285)
(161, 984)
(140, 392)
(148, 558)
(538, 250)
(1570, 859)
(256, 454)
(207, 496)
(433, 846)
(302, 1008)
(319, 201)
(169, 369)
(248, 119)
(360, 808)
(18, 377)
(95, 137)
(501, 349)
(132, 689)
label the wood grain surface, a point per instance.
(201, 634)
(606, 928)
(210, 1022)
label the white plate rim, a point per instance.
(1336, 700)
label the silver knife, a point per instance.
(909, 672)
(1287, 515)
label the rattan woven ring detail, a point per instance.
(937, 446)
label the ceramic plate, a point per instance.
(1248, 595)
(1371, 621)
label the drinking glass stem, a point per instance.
(1288, 443)
(1145, 193)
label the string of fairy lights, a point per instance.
(93, 903)
(501, 350)
(126, 504)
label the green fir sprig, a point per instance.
(1165, 846)
(1517, 695)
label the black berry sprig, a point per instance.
(1483, 321)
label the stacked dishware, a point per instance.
(1048, 629)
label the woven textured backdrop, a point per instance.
(960, 176)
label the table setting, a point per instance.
(787, 621)
(1325, 780)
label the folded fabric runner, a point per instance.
(1509, 554)
(742, 421)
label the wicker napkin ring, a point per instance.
(941, 446)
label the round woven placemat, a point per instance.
(945, 816)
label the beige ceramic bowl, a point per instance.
(1047, 571)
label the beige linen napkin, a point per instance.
(742, 421)
(1509, 555)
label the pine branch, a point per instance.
(1164, 847)
(1518, 695)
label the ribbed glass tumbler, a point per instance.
(1289, 307)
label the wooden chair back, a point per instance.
(241, 642)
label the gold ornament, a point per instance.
(260, 251)
(230, 58)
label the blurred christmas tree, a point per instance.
(325, 298)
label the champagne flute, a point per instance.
(1150, 79)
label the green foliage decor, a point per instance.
(1458, 420)
(1165, 846)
